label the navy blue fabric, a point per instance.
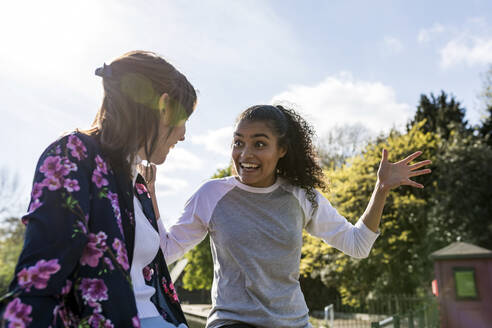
(74, 268)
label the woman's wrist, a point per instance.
(381, 188)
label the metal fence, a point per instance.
(388, 311)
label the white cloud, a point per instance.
(181, 159)
(392, 45)
(217, 141)
(469, 44)
(341, 99)
(469, 50)
(166, 185)
(426, 35)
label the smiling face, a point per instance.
(166, 140)
(255, 152)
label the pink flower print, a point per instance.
(37, 275)
(68, 165)
(77, 147)
(121, 256)
(51, 165)
(147, 273)
(96, 320)
(52, 183)
(58, 150)
(108, 324)
(93, 290)
(66, 289)
(98, 179)
(113, 198)
(109, 263)
(35, 204)
(82, 227)
(136, 322)
(53, 168)
(141, 189)
(170, 290)
(18, 313)
(71, 185)
(101, 165)
(24, 279)
(37, 190)
(94, 249)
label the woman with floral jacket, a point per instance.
(91, 254)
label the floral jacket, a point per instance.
(74, 269)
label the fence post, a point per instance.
(410, 320)
(396, 321)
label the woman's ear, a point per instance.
(164, 107)
(283, 151)
(163, 101)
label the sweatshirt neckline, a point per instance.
(258, 190)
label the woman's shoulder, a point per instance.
(78, 144)
(216, 184)
(73, 147)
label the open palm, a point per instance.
(393, 175)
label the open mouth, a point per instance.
(249, 166)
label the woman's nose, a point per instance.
(247, 152)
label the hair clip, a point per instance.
(104, 71)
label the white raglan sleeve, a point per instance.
(326, 223)
(192, 225)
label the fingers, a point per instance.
(411, 183)
(420, 172)
(420, 164)
(384, 155)
(411, 157)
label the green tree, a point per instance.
(462, 205)
(199, 272)
(11, 241)
(485, 129)
(441, 115)
(398, 261)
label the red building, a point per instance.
(464, 282)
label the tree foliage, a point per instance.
(485, 130)
(11, 241)
(441, 115)
(461, 201)
(395, 260)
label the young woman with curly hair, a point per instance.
(255, 220)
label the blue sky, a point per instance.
(340, 62)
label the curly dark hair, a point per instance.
(299, 166)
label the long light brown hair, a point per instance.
(133, 105)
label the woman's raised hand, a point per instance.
(392, 175)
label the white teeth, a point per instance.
(249, 165)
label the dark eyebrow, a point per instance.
(254, 135)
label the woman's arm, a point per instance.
(390, 176)
(357, 240)
(190, 228)
(56, 234)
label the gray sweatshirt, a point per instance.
(256, 241)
